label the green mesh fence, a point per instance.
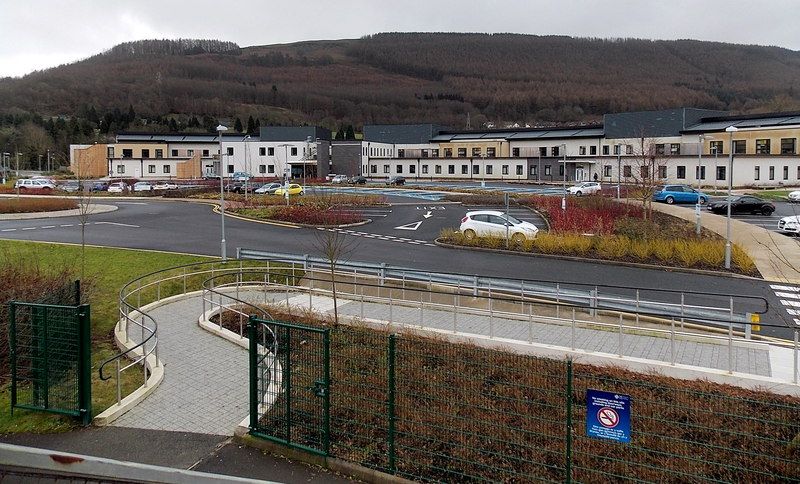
(431, 410)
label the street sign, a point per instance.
(608, 416)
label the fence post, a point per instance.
(620, 333)
(391, 306)
(530, 323)
(253, 358)
(730, 339)
(796, 368)
(12, 338)
(383, 271)
(77, 292)
(85, 359)
(475, 286)
(672, 342)
(568, 463)
(390, 359)
(558, 301)
(184, 280)
(326, 340)
(593, 311)
(682, 309)
(572, 338)
(491, 312)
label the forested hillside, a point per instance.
(386, 78)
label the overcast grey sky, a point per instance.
(37, 34)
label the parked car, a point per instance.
(142, 187)
(241, 176)
(742, 204)
(396, 180)
(339, 179)
(267, 188)
(585, 188)
(485, 223)
(789, 225)
(240, 187)
(679, 194)
(118, 187)
(99, 186)
(70, 186)
(330, 176)
(294, 189)
(165, 185)
(794, 196)
(31, 184)
(358, 180)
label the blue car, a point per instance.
(679, 194)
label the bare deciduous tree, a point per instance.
(335, 247)
(646, 169)
(85, 197)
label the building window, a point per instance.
(617, 149)
(534, 170)
(424, 153)
(582, 150)
(145, 153)
(491, 152)
(271, 168)
(798, 172)
(520, 170)
(159, 153)
(294, 150)
(412, 169)
(662, 171)
(757, 174)
(462, 152)
(628, 149)
(561, 171)
(548, 170)
(270, 151)
(680, 172)
(675, 148)
(448, 152)
(715, 147)
(189, 152)
(644, 172)
(230, 150)
(230, 168)
(504, 170)
(120, 169)
(739, 147)
(451, 169)
(110, 152)
(700, 173)
(788, 146)
(555, 150)
(476, 169)
(762, 146)
(720, 173)
(464, 169)
(771, 172)
(166, 169)
(785, 172)
(401, 153)
(514, 152)
(151, 168)
(262, 169)
(593, 150)
(174, 153)
(660, 148)
(626, 171)
(476, 152)
(607, 171)
(386, 168)
(490, 169)
(605, 150)
(438, 169)
(435, 153)
(424, 169)
(399, 169)
(127, 153)
(262, 151)
(205, 153)
(372, 169)
(542, 151)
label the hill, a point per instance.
(399, 77)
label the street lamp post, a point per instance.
(285, 171)
(731, 130)
(246, 165)
(700, 139)
(619, 170)
(564, 179)
(221, 129)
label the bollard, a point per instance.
(455, 314)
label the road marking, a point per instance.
(118, 224)
(28, 228)
(48, 226)
(794, 304)
(428, 214)
(411, 226)
(793, 312)
(8, 230)
(65, 225)
(131, 203)
(791, 295)
(785, 288)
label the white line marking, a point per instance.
(28, 228)
(785, 288)
(48, 226)
(794, 304)
(65, 225)
(118, 224)
(8, 230)
(131, 203)
(421, 241)
(793, 312)
(790, 295)
(410, 226)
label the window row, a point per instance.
(519, 170)
(127, 153)
(788, 146)
(166, 169)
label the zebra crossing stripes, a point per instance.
(789, 297)
(388, 238)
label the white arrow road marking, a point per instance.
(428, 215)
(411, 226)
(119, 224)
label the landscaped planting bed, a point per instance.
(320, 210)
(29, 205)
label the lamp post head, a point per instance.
(731, 129)
(222, 128)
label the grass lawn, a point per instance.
(778, 195)
(107, 270)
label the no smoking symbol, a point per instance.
(607, 417)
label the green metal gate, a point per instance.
(289, 384)
(51, 358)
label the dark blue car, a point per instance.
(679, 194)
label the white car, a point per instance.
(491, 223)
(789, 225)
(585, 188)
(118, 187)
(794, 196)
(339, 179)
(142, 187)
(165, 185)
(34, 184)
(268, 188)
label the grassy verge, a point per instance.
(107, 270)
(776, 195)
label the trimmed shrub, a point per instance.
(29, 205)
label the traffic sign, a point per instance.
(608, 416)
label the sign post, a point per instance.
(608, 416)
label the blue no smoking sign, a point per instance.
(608, 415)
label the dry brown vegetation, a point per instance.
(26, 205)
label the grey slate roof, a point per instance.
(667, 122)
(401, 133)
(294, 133)
(752, 121)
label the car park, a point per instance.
(142, 187)
(98, 186)
(789, 225)
(491, 223)
(293, 189)
(794, 196)
(742, 204)
(338, 179)
(358, 180)
(396, 180)
(165, 185)
(585, 188)
(70, 186)
(267, 188)
(241, 176)
(34, 184)
(118, 187)
(670, 194)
